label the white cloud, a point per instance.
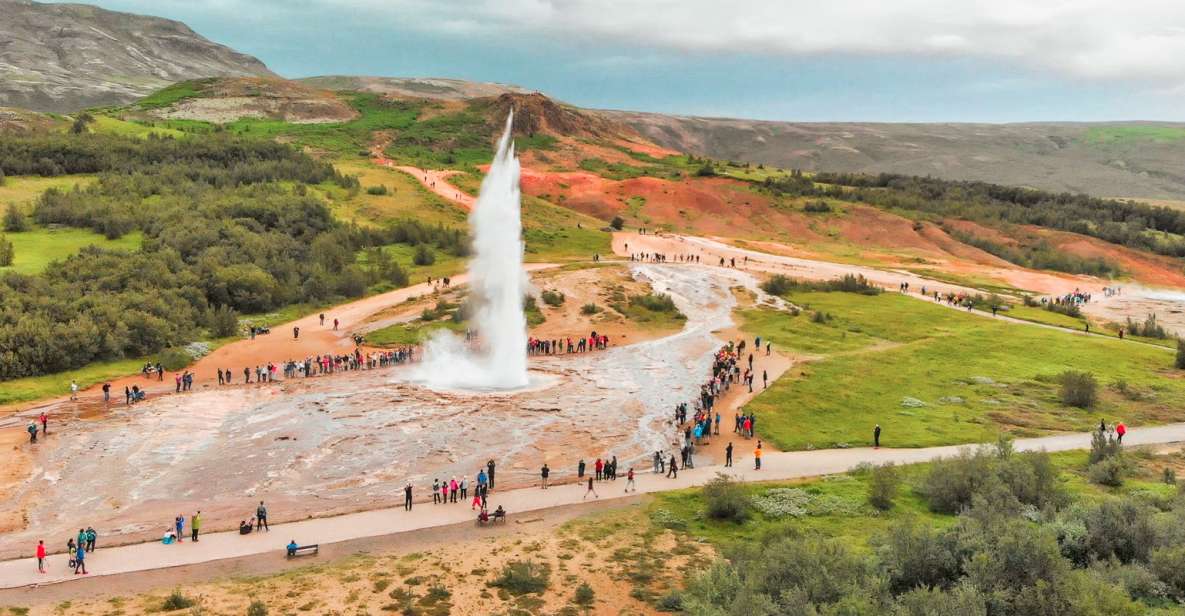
(1092, 39)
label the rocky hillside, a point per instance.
(1128, 159)
(415, 87)
(64, 57)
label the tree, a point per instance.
(617, 223)
(14, 220)
(6, 252)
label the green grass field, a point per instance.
(112, 126)
(1134, 134)
(411, 333)
(37, 248)
(406, 198)
(50, 385)
(23, 190)
(975, 377)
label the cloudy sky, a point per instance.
(814, 60)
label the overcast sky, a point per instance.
(875, 60)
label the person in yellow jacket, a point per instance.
(757, 457)
(195, 524)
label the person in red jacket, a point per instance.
(1120, 430)
(41, 556)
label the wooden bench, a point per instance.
(304, 550)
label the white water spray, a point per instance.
(497, 284)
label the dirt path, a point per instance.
(776, 466)
(435, 180)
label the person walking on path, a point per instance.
(73, 390)
(764, 379)
(1120, 430)
(41, 556)
(44, 418)
(490, 474)
(876, 436)
(544, 473)
(32, 432)
(590, 490)
(630, 486)
(757, 457)
(261, 517)
(106, 392)
(195, 525)
(80, 559)
(728, 455)
(407, 497)
(672, 469)
(580, 469)
(91, 538)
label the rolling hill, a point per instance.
(66, 57)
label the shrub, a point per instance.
(820, 317)
(1102, 447)
(552, 298)
(1170, 476)
(725, 499)
(521, 577)
(14, 220)
(918, 555)
(654, 302)
(1180, 354)
(176, 601)
(816, 207)
(223, 321)
(174, 359)
(381, 189)
(671, 602)
(424, 255)
(257, 608)
(7, 252)
(882, 486)
(1168, 564)
(618, 223)
(584, 595)
(1108, 472)
(1149, 328)
(1078, 389)
(590, 309)
(706, 171)
(777, 285)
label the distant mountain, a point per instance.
(65, 57)
(1120, 159)
(416, 87)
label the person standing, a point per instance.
(322, 319)
(464, 488)
(490, 474)
(757, 457)
(261, 517)
(296, 333)
(73, 390)
(80, 559)
(580, 469)
(106, 392)
(91, 538)
(599, 468)
(629, 481)
(544, 473)
(41, 556)
(590, 490)
(728, 455)
(1120, 430)
(406, 488)
(876, 436)
(195, 525)
(180, 523)
(44, 418)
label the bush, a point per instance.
(257, 608)
(14, 220)
(521, 577)
(381, 189)
(706, 171)
(174, 359)
(424, 255)
(1168, 564)
(1180, 354)
(848, 283)
(778, 285)
(1149, 328)
(816, 207)
(654, 302)
(1102, 447)
(7, 252)
(725, 499)
(176, 601)
(223, 321)
(1078, 389)
(552, 298)
(584, 596)
(1108, 472)
(882, 486)
(671, 602)
(916, 555)
(618, 223)
(590, 309)
(1170, 476)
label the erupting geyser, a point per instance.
(497, 285)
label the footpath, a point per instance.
(519, 502)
